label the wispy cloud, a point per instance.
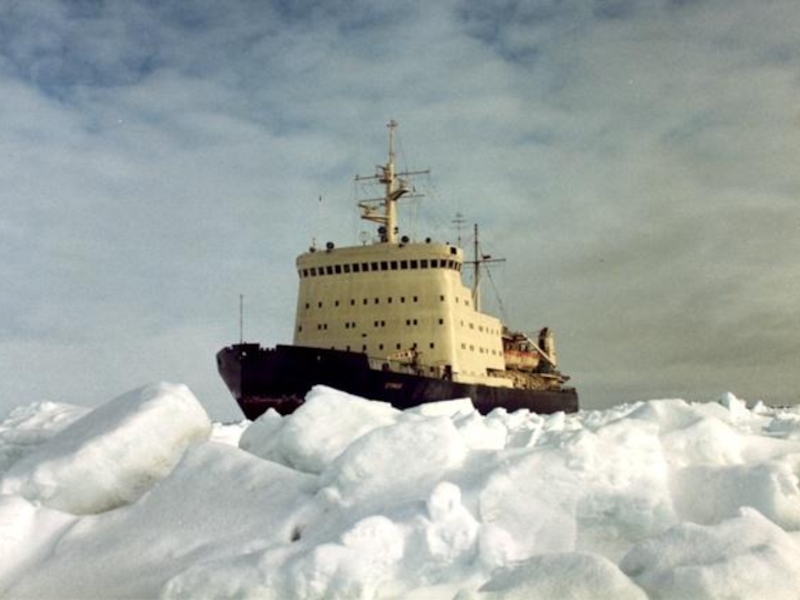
(635, 160)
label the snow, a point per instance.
(145, 497)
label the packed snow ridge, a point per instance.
(145, 497)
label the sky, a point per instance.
(633, 160)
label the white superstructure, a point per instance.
(404, 305)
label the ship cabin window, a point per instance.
(414, 264)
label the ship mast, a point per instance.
(476, 263)
(384, 210)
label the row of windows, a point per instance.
(388, 300)
(431, 345)
(481, 350)
(409, 323)
(383, 265)
(382, 347)
(378, 324)
(481, 328)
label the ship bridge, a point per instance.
(401, 302)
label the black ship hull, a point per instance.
(263, 378)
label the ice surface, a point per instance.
(349, 498)
(114, 454)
